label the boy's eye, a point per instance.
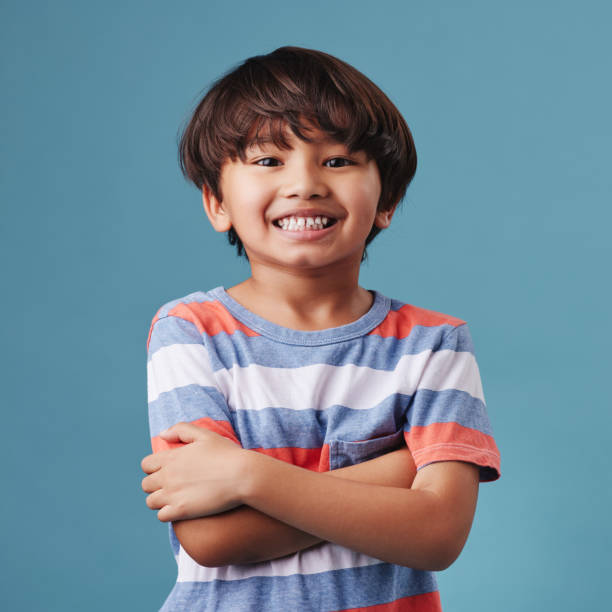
(338, 162)
(268, 161)
(334, 162)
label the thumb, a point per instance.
(182, 432)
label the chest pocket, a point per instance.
(343, 454)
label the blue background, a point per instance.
(507, 225)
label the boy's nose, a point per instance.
(304, 181)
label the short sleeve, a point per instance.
(447, 419)
(181, 384)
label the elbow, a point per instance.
(206, 545)
(218, 558)
(432, 560)
(447, 535)
(444, 551)
(204, 557)
(208, 555)
(441, 561)
(199, 544)
(437, 552)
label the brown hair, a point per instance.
(295, 87)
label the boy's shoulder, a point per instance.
(403, 318)
(189, 302)
(203, 310)
(415, 328)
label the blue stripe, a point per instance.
(278, 427)
(175, 545)
(395, 305)
(333, 590)
(172, 330)
(228, 350)
(374, 351)
(237, 349)
(448, 406)
(187, 404)
(281, 427)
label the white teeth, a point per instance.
(299, 224)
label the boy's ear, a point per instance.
(215, 211)
(383, 217)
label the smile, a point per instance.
(301, 224)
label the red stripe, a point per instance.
(399, 323)
(153, 322)
(315, 459)
(426, 602)
(210, 318)
(324, 460)
(222, 428)
(452, 442)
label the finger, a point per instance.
(165, 514)
(156, 500)
(170, 513)
(152, 463)
(183, 432)
(150, 483)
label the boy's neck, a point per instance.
(306, 302)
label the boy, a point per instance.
(290, 413)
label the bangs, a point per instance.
(267, 114)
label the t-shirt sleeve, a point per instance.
(447, 419)
(181, 384)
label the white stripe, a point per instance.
(322, 558)
(448, 369)
(319, 386)
(315, 386)
(178, 365)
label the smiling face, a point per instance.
(308, 207)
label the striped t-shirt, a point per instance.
(321, 400)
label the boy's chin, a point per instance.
(296, 262)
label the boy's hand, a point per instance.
(195, 480)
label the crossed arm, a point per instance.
(246, 507)
(246, 535)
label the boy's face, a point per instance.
(306, 208)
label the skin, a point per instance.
(305, 281)
(301, 281)
(424, 527)
(245, 535)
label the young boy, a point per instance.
(317, 446)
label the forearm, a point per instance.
(240, 536)
(246, 535)
(424, 527)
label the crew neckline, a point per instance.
(366, 323)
